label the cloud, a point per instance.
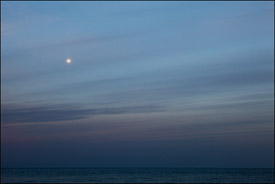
(52, 44)
(86, 40)
(149, 9)
(63, 112)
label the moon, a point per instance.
(68, 60)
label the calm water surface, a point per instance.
(137, 175)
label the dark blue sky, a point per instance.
(151, 84)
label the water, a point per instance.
(137, 175)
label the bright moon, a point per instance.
(68, 60)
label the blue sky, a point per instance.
(151, 84)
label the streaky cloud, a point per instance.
(63, 112)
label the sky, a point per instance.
(150, 84)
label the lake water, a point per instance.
(137, 175)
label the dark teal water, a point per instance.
(137, 175)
